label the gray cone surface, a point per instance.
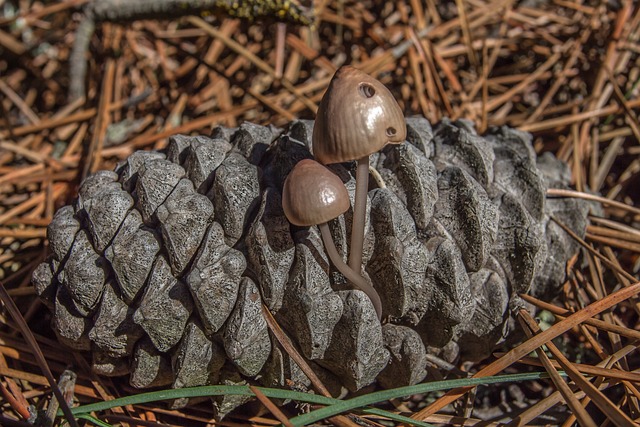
(161, 267)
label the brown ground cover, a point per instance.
(565, 70)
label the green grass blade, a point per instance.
(94, 420)
(385, 395)
(81, 411)
(332, 406)
(396, 417)
(214, 390)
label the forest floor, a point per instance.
(567, 71)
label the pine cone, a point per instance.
(161, 268)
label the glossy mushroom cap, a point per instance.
(356, 117)
(312, 194)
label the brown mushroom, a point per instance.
(356, 117)
(313, 195)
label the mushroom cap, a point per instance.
(312, 194)
(357, 116)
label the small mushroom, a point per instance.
(313, 195)
(357, 116)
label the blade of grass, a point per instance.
(385, 395)
(342, 405)
(94, 420)
(223, 390)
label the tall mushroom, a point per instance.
(357, 116)
(313, 195)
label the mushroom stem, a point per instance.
(357, 280)
(359, 214)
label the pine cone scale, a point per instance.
(182, 248)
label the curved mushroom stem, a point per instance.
(356, 279)
(359, 214)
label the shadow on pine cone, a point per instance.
(161, 267)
